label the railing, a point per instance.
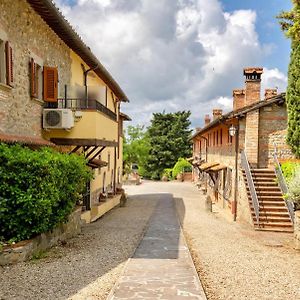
(246, 167)
(282, 184)
(82, 104)
(84, 98)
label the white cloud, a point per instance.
(170, 55)
(273, 78)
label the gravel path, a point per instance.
(87, 266)
(234, 262)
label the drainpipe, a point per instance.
(85, 74)
(237, 138)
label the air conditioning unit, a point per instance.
(59, 118)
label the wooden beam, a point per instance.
(83, 142)
(92, 151)
(98, 152)
(75, 149)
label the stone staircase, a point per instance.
(273, 213)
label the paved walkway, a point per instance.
(161, 267)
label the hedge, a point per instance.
(38, 190)
(181, 166)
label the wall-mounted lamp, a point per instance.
(232, 130)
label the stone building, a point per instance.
(234, 156)
(54, 91)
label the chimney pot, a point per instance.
(269, 93)
(253, 82)
(207, 119)
(238, 98)
(217, 113)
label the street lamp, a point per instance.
(232, 130)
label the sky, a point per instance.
(170, 55)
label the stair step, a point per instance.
(275, 229)
(267, 188)
(274, 220)
(281, 209)
(270, 204)
(266, 195)
(272, 214)
(258, 180)
(278, 224)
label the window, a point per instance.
(50, 84)
(36, 78)
(217, 138)
(6, 62)
(221, 136)
(214, 138)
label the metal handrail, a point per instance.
(246, 167)
(282, 184)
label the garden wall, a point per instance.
(24, 250)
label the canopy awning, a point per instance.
(217, 168)
(97, 163)
(208, 165)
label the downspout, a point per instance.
(236, 169)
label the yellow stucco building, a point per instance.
(82, 113)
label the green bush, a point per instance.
(38, 190)
(181, 166)
(168, 173)
(294, 189)
(289, 169)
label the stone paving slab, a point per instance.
(161, 267)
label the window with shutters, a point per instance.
(9, 64)
(36, 77)
(50, 84)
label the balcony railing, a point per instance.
(81, 98)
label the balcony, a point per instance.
(82, 98)
(96, 125)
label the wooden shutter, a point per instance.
(33, 79)
(9, 64)
(50, 84)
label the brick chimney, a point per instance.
(238, 98)
(198, 129)
(217, 113)
(253, 82)
(269, 93)
(206, 120)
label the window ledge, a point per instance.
(5, 87)
(37, 100)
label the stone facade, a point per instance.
(29, 36)
(272, 132)
(297, 229)
(251, 137)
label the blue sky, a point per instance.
(170, 55)
(267, 27)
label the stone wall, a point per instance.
(24, 250)
(273, 129)
(251, 137)
(297, 229)
(29, 35)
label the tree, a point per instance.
(290, 24)
(169, 138)
(136, 148)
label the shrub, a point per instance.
(181, 166)
(38, 190)
(167, 173)
(289, 169)
(294, 189)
